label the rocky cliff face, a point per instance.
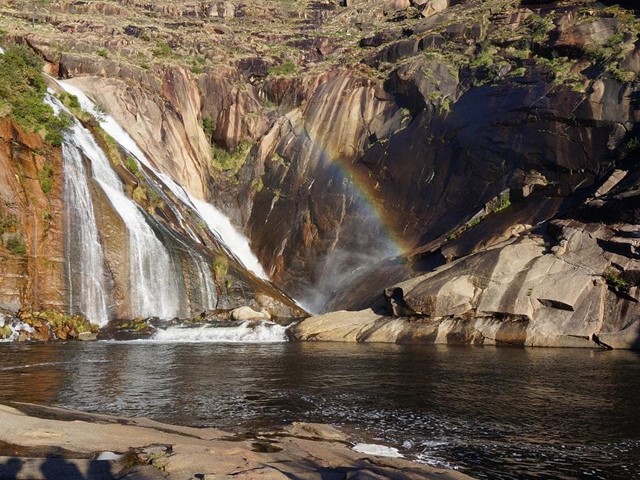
(461, 134)
(31, 213)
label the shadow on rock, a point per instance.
(10, 469)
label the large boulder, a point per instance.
(248, 313)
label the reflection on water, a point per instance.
(493, 413)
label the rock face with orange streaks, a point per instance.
(31, 251)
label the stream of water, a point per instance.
(489, 412)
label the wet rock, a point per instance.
(248, 313)
(87, 336)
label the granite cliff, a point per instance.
(470, 165)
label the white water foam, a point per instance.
(246, 332)
(15, 329)
(379, 450)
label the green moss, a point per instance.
(138, 324)
(5, 332)
(60, 321)
(108, 144)
(220, 268)
(45, 177)
(257, 185)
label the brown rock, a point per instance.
(301, 451)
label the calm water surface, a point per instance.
(491, 413)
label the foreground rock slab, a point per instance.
(50, 443)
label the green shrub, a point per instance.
(197, 64)
(22, 92)
(633, 145)
(503, 203)
(16, 245)
(287, 67)
(7, 221)
(132, 165)
(231, 161)
(208, 127)
(614, 278)
(69, 100)
(539, 26)
(162, 49)
(45, 176)
(101, 52)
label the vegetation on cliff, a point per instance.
(22, 93)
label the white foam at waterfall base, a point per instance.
(246, 332)
(216, 221)
(16, 328)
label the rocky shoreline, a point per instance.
(48, 442)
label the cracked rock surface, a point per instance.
(37, 440)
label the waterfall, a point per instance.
(85, 259)
(152, 275)
(207, 285)
(221, 226)
(216, 222)
(87, 292)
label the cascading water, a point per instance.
(245, 332)
(81, 236)
(221, 226)
(217, 223)
(153, 277)
(206, 284)
(85, 270)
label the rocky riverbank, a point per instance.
(48, 443)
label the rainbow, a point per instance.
(362, 188)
